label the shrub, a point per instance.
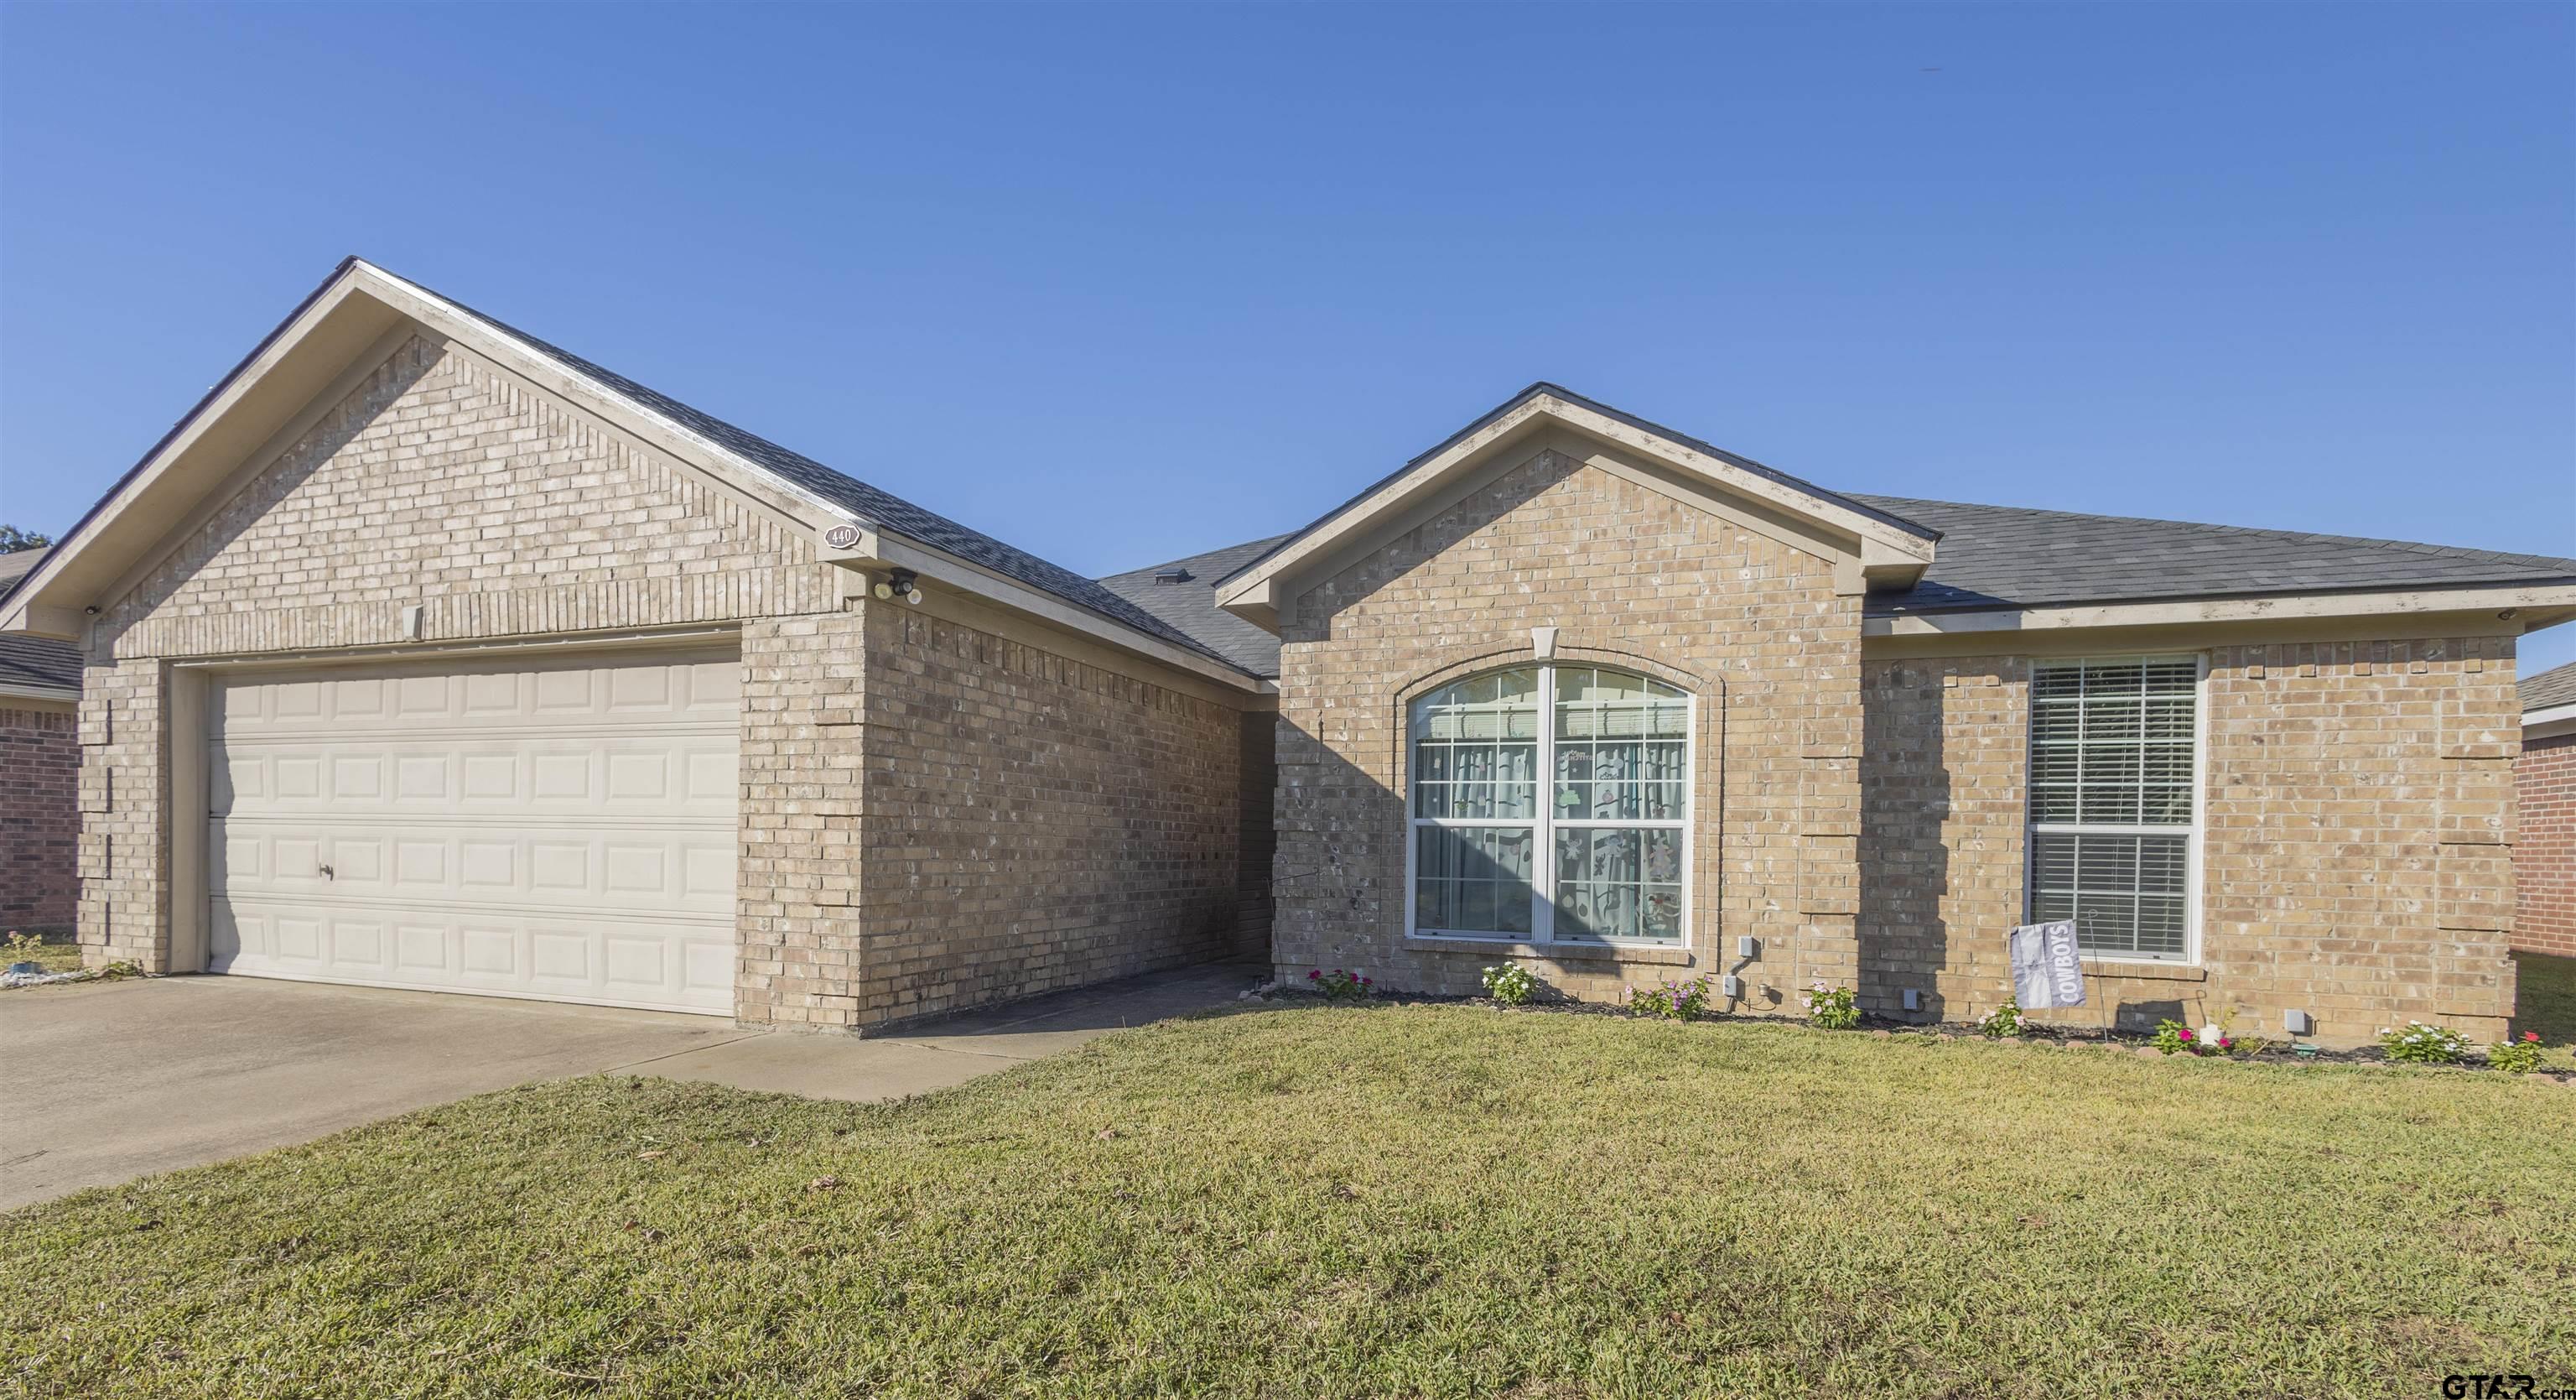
(1831, 1007)
(1510, 983)
(2175, 1038)
(2007, 1020)
(2516, 1056)
(1338, 985)
(2418, 1044)
(1673, 1001)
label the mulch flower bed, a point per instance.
(2093, 1039)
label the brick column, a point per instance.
(803, 699)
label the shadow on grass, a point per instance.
(2545, 1001)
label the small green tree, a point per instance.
(13, 539)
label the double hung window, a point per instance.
(2114, 802)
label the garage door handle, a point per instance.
(327, 875)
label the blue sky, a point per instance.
(1119, 284)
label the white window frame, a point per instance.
(1544, 825)
(2193, 835)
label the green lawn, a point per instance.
(1361, 1201)
(2545, 1001)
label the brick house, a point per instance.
(2544, 859)
(425, 654)
(39, 763)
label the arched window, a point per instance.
(1551, 803)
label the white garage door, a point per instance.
(562, 830)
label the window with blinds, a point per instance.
(1551, 803)
(2114, 809)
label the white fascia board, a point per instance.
(71, 575)
(2225, 610)
(879, 550)
(352, 314)
(358, 309)
(1889, 554)
(1881, 542)
(2549, 723)
(792, 503)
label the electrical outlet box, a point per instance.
(1732, 988)
(1748, 946)
(2298, 1023)
(1913, 998)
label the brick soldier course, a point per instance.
(1029, 780)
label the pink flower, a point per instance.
(2185, 1035)
(1311, 976)
(2531, 1035)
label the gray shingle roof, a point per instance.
(2008, 556)
(1857, 503)
(894, 513)
(2550, 689)
(33, 660)
(2005, 556)
(1190, 605)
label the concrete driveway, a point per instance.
(114, 1080)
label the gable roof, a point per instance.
(1190, 604)
(2010, 557)
(868, 503)
(1877, 545)
(34, 663)
(2007, 557)
(2550, 689)
(1544, 388)
(324, 330)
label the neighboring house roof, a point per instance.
(17, 564)
(34, 663)
(2008, 556)
(2551, 689)
(1190, 604)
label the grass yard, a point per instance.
(2545, 1001)
(54, 952)
(1361, 1201)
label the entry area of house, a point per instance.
(560, 828)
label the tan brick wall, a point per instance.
(2544, 859)
(39, 817)
(803, 687)
(442, 481)
(124, 843)
(1630, 576)
(445, 481)
(1034, 821)
(2356, 862)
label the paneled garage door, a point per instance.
(562, 829)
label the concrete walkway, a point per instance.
(114, 1080)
